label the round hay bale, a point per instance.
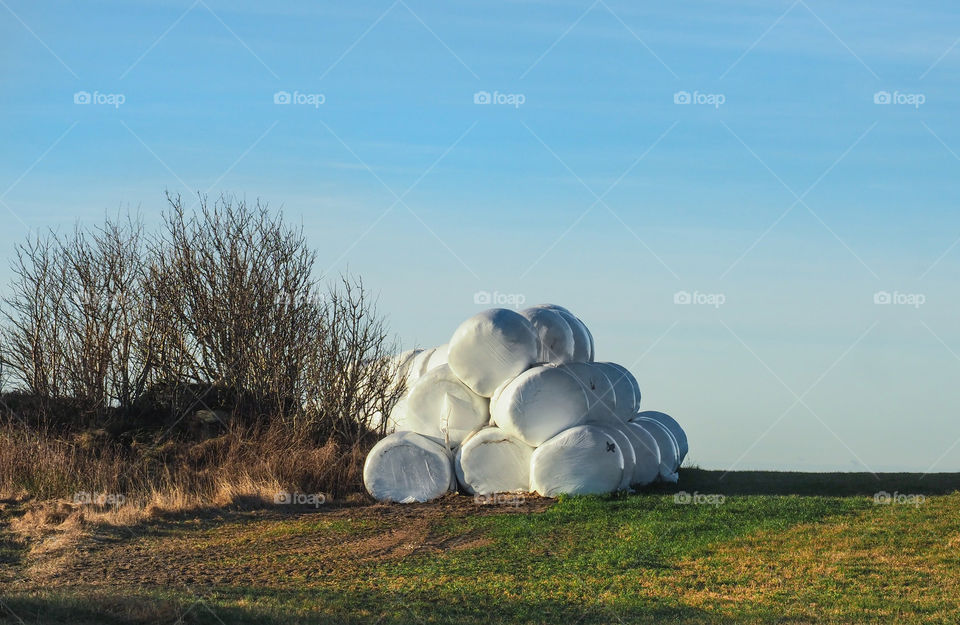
(556, 337)
(491, 461)
(492, 347)
(540, 403)
(444, 409)
(583, 460)
(406, 467)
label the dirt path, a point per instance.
(251, 548)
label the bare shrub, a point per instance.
(351, 377)
(239, 292)
(75, 317)
(218, 313)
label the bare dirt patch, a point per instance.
(255, 547)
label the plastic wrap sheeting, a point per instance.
(540, 403)
(556, 337)
(491, 461)
(675, 429)
(492, 347)
(582, 460)
(667, 444)
(406, 467)
(444, 409)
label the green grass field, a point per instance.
(777, 548)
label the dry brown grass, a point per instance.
(61, 485)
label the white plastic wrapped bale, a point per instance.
(418, 366)
(624, 394)
(675, 429)
(582, 460)
(491, 461)
(593, 349)
(492, 347)
(444, 409)
(553, 307)
(406, 467)
(397, 421)
(539, 403)
(496, 396)
(601, 397)
(667, 445)
(402, 362)
(439, 357)
(626, 449)
(633, 382)
(399, 365)
(582, 339)
(556, 337)
(646, 454)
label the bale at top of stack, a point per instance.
(515, 402)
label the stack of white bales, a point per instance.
(515, 402)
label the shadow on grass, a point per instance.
(312, 607)
(811, 484)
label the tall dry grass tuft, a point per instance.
(44, 465)
(244, 467)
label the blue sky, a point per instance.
(814, 167)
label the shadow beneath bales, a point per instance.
(811, 484)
